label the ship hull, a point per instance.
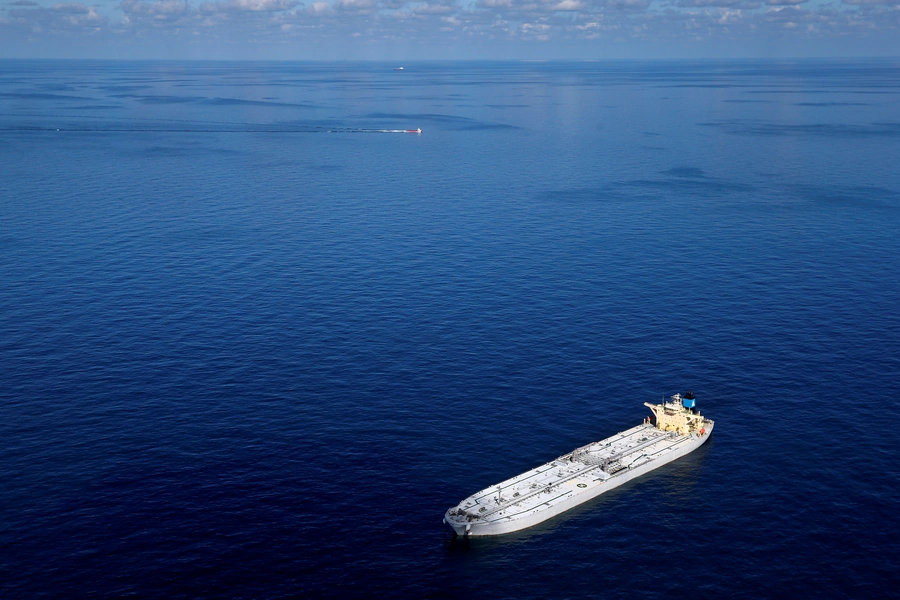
(682, 446)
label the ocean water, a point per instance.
(252, 346)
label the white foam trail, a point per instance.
(363, 130)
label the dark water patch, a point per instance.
(700, 85)
(450, 121)
(485, 126)
(119, 88)
(329, 123)
(57, 87)
(183, 151)
(746, 127)
(681, 182)
(100, 122)
(580, 195)
(215, 101)
(298, 85)
(828, 104)
(824, 91)
(431, 98)
(42, 96)
(309, 167)
(93, 107)
(162, 99)
(693, 172)
(243, 102)
(846, 196)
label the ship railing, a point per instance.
(604, 461)
(544, 489)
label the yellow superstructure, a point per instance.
(674, 416)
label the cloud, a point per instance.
(356, 6)
(434, 9)
(319, 9)
(629, 4)
(73, 16)
(707, 3)
(537, 6)
(569, 5)
(161, 11)
(248, 5)
(72, 9)
(433, 24)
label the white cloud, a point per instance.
(434, 9)
(161, 11)
(36, 19)
(356, 5)
(569, 5)
(729, 16)
(433, 23)
(705, 3)
(319, 9)
(71, 9)
(248, 5)
(629, 4)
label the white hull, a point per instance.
(568, 481)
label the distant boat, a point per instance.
(398, 68)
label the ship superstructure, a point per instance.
(676, 429)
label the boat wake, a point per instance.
(78, 129)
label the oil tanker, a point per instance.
(676, 429)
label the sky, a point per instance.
(398, 30)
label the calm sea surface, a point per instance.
(252, 346)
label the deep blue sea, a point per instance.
(253, 347)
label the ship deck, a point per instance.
(578, 472)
